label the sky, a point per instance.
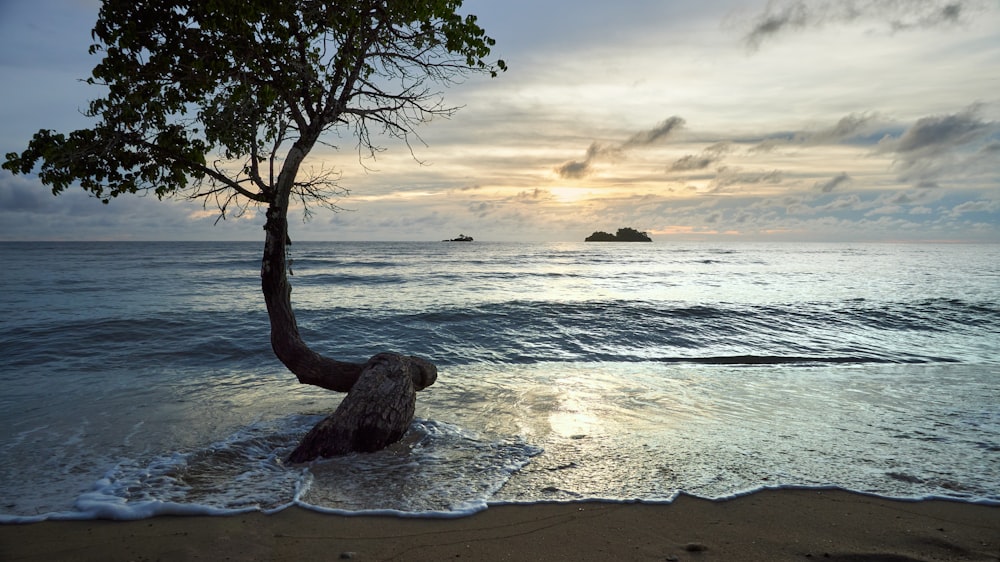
(717, 120)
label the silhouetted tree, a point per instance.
(223, 100)
(623, 235)
(631, 235)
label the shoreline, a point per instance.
(791, 524)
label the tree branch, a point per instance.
(198, 168)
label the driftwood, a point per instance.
(375, 413)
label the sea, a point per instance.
(137, 379)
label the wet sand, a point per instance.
(770, 525)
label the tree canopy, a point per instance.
(626, 234)
(222, 99)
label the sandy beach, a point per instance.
(770, 525)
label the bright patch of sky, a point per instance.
(847, 120)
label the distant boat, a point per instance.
(461, 238)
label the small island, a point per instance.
(623, 235)
(461, 238)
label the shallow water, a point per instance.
(138, 378)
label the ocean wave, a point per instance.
(526, 331)
(521, 331)
(179, 338)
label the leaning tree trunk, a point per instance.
(381, 393)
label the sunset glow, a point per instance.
(726, 118)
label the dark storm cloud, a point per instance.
(833, 183)
(898, 15)
(575, 169)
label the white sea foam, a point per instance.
(437, 470)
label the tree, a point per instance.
(626, 234)
(223, 100)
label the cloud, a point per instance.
(734, 176)
(693, 162)
(656, 133)
(709, 156)
(29, 211)
(785, 16)
(862, 129)
(17, 193)
(847, 128)
(898, 202)
(581, 168)
(533, 195)
(959, 145)
(576, 169)
(851, 202)
(980, 206)
(775, 19)
(991, 150)
(833, 183)
(938, 133)
(936, 15)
